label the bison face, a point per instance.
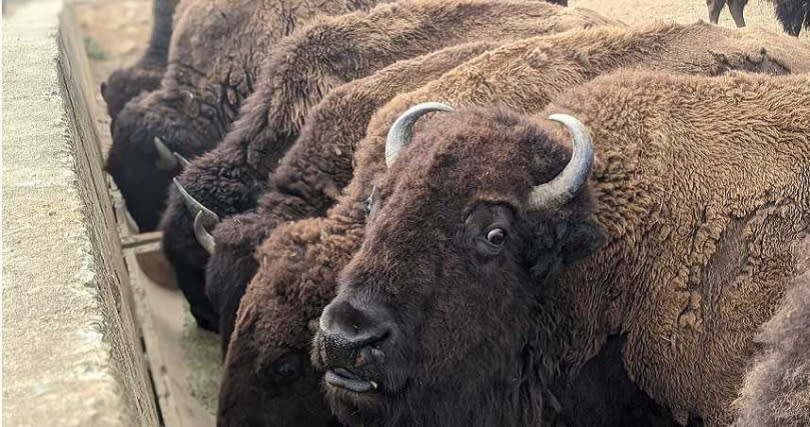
(433, 320)
(141, 170)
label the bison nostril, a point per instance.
(352, 336)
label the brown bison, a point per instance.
(299, 260)
(777, 388)
(310, 175)
(302, 70)
(126, 83)
(736, 7)
(494, 259)
(212, 70)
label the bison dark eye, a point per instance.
(496, 236)
(287, 368)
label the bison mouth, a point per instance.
(347, 380)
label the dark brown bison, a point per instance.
(736, 7)
(304, 67)
(297, 263)
(309, 177)
(793, 14)
(493, 258)
(777, 389)
(145, 75)
(211, 71)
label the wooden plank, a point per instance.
(183, 359)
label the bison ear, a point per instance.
(582, 239)
(564, 243)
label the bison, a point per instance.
(298, 261)
(212, 70)
(793, 14)
(303, 68)
(493, 258)
(777, 389)
(126, 83)
(313, 171)
(736, 7)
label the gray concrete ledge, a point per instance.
(72, 355)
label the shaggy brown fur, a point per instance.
(309, 177)
(304, 68)
(298, 261)
(212, 69)
(736, 7)
(777, 388)
(701, 185)
(125, 83)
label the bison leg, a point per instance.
(715, 6)
(736, 7)
(791, 15)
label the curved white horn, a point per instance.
(165, 159)
(567, 183)
(399, 136)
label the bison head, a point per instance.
(145, 134)
(435, 318)
(127, 83)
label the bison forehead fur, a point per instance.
(669, 48)
(719, 196)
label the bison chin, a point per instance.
(383, 376)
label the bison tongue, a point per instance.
(343, 378)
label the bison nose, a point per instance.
(352, 336)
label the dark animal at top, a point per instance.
(302, 70)
(777, 389)
(736, 7)
(211, 71)
(793, 14)
(478, 279)
(299, 260)
(126, 83)
(309, 173)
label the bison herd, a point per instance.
(479, 212)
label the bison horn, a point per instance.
(399, 136)
(203, 217)
(565, 186)
(204, 238)
(182, 160)
(165, 159)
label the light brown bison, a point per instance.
(298, 262)
(494, 259)
(304, 67)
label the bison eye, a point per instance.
(496, 236)
(287, 368)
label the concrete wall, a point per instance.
(72, 354)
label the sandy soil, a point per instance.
(758, 12)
